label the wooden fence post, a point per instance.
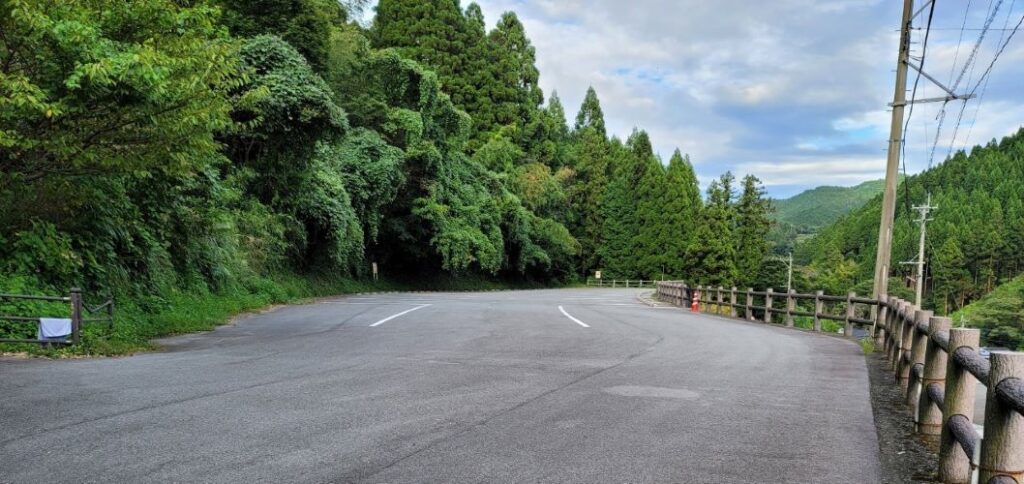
(848, 326)
(1002, 449)
(732, 302)
(110, 314)
(790, 306)
(768, 305)
(954, 463)
(76, 315)
(817, 309)
(929, 412)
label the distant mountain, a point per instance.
(824, 205)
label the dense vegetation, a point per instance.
(999, 314)
(199, 158)
(975, 241)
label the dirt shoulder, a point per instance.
(905, 457)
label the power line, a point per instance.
(913, 97)
(977, 45)
(956, 56)
(986, 77)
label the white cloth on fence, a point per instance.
(50, 328)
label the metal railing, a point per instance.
(936, 366)
(79, 311)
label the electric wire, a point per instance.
(910, 111)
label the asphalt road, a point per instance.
(583, 385)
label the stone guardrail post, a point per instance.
(954, 463)
(718, 304)
(703, 300)
(1002, 449)
(896, 320)
(732, 302)
(768, 305)
(906, 345)
(818, 307)
(749, 311)
(917, 355)
(881, 334)
(929, 413)
(790, 307)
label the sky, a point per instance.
(795, 92)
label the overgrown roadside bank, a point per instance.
(141, 319)
(905, 456)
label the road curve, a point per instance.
(583, 385)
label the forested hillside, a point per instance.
(821, 206)
(975, 242)
(171, 153)
(802, 215)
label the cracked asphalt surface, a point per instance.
(475, 387)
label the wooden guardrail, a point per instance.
(769, 305)
(937, 367)
(79, 311)
(637, 283)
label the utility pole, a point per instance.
(899, 102)
(789, 279)
(923, 210)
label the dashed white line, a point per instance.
(393, 316)
(581, 323)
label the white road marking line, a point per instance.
(581, 323)
(393, 316)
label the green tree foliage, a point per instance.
(974, 240)
(621, 222)
(110, 87)
(680, 212)
(437, 34)
(159, 149)
(712, 251)
(305, 24)
(592, 156)
(752, 225)
(591, 115)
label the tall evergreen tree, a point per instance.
(621, 225)
(437, 34)
(515, 95)
(711, 251)
(305, 24)
(681, 209)
(752, 226)
(590, 114)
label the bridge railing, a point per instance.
(936, 366)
